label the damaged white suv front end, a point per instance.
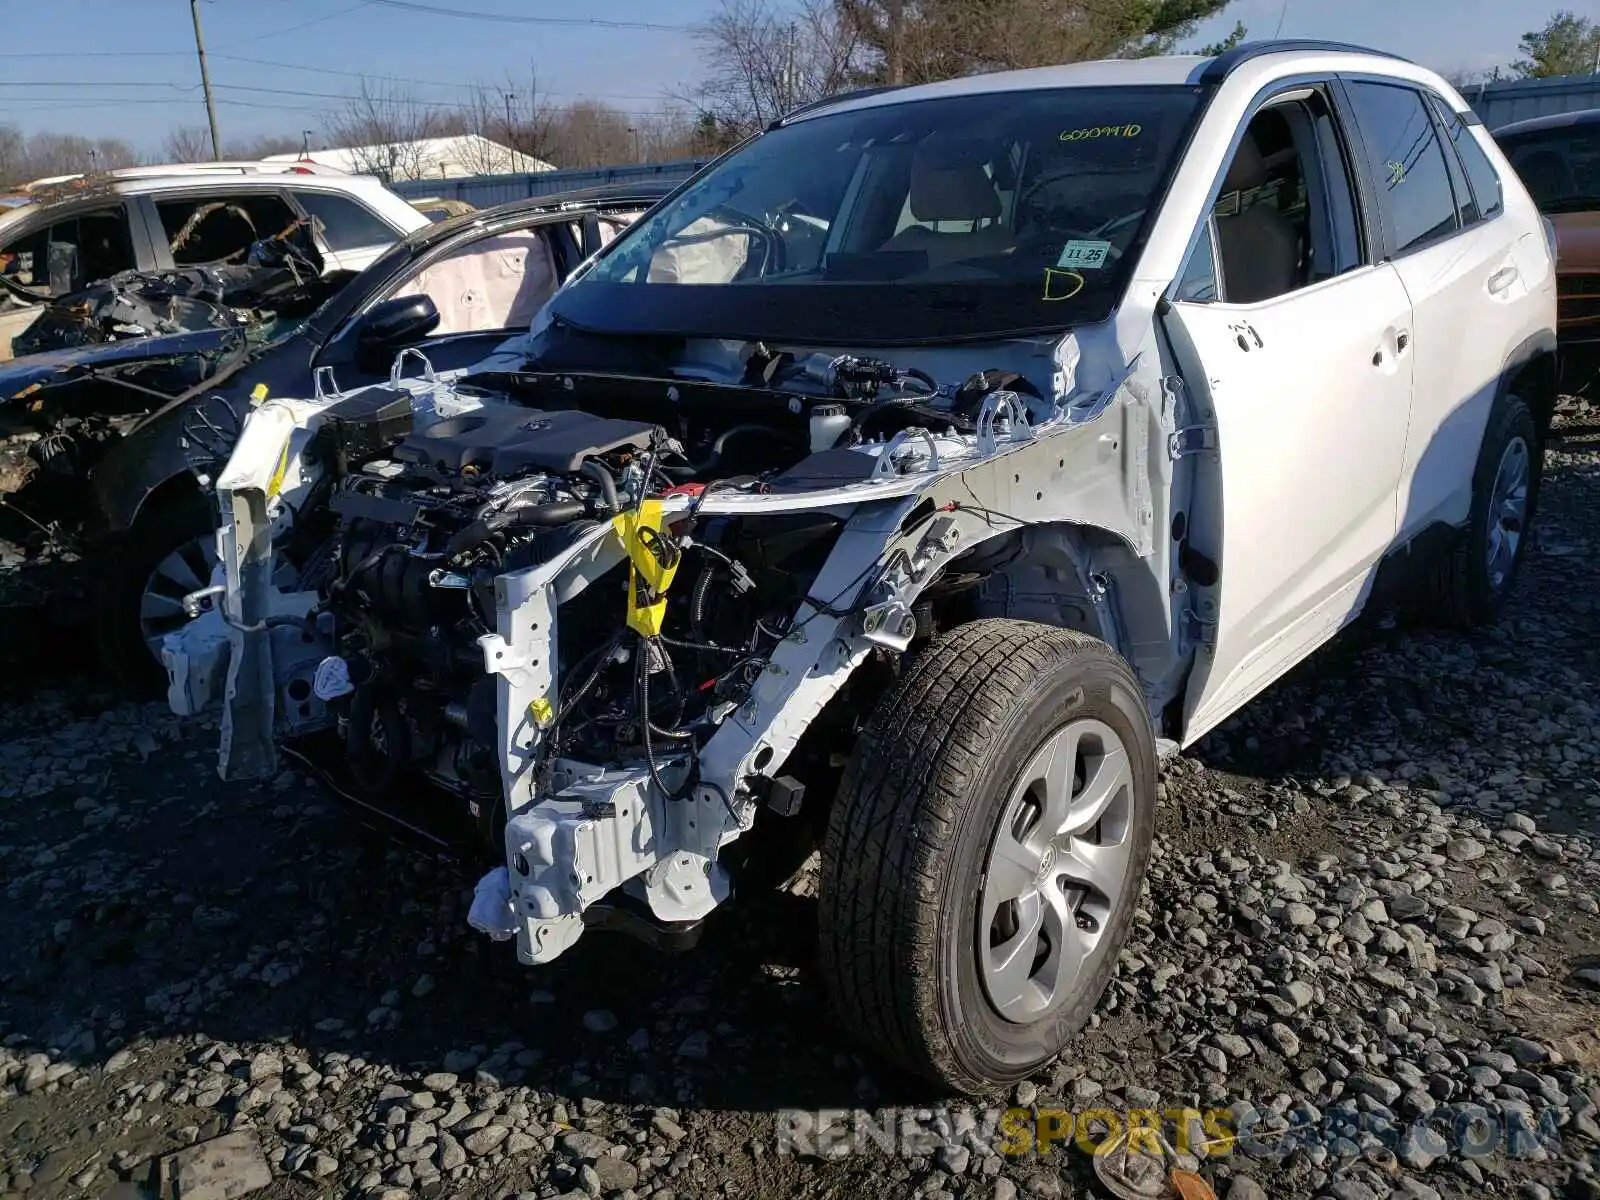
(609, 664)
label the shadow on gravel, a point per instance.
(149, 901)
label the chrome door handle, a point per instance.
(1501, 280)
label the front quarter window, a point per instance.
(970, 215)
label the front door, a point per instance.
(1299, 346)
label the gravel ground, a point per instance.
(1373, 900)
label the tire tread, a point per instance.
(891, 831)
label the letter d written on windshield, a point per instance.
(1061, 285)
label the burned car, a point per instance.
(281, 278)
(902, 482)
(115, 440)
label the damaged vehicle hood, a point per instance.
(22, 377)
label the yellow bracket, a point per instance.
(653, 557)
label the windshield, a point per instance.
(965, 216)
(1559, 167)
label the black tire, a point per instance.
(919, 806)
(1461, 594)
(130, 560)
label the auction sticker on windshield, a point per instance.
(1078, 256)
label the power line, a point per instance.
(187, 88)
(469, 87)
(343, 12)
(34, 54)
(439, 10)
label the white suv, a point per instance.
(144, 219)
(995, 432)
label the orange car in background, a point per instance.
(1558, 158)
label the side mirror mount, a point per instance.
(395, 324)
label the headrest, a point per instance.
(948, 186)
(1248, 169)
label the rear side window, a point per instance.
(1466, 209)
(221, 229)
(1484, 200)
(1486, 187)
(1406, 164)
(344, 224)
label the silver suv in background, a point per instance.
(79, 230)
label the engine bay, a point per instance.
(414, 517)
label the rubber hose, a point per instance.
(608, 484)
(527, 516)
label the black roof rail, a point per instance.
(836, 98)
(1220, 67)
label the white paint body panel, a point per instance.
(1477, 297)
(1311, 427)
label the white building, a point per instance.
(429, 158)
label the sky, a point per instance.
(127, 68)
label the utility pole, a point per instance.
(510, 141)
(895, 21)
(205, 81)
(789, 70)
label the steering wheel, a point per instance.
(773, 250)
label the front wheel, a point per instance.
(138, 596)
(984, 858)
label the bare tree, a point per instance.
(45, 154)
(762, 60)
(186, 144)
(1463, 78)
(252, 148)
(13, 155)
(509, 112)
(664, 137)
(383, 125)
(591, 134)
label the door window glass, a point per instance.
(1199, 282)
(221, 229)
(1405, 163)
(1459, 141)
(1285, 218)
(344, 224)
(1486, 189)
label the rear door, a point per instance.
(1471, 288)
(1292, 335)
